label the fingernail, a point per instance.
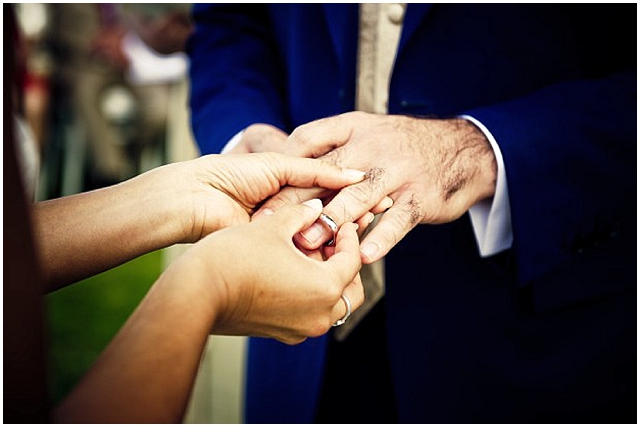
(314, 234)
(353, 173)
(370, 250)
(315, 204)
(370, 217)
(387, 203)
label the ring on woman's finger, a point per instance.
(346, 316)
(331, 224)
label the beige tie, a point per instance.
(380, 27)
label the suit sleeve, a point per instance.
(236, 79)
(570, 158)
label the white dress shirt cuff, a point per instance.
(232, 142)
(491, 218)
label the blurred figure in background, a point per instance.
(88, 66)
(164, 27)
(31, 88)
(112, 90)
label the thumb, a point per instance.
(294, 218)
(346, 258)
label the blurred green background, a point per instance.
(83, 317)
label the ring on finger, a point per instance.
(348, 313)
(332, 225)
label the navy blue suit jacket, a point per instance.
(543, 331)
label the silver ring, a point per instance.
(329, 222)
(346, 316)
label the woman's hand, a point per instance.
(245, 280)
(224, 190)
(87, 233)
(261, 284)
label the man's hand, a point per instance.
(260, 138)
(434, 170)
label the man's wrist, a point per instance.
(468, 168)
(486, 169)
(491, 218)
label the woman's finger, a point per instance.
(302, 172)
(293, 218)
(346, 260)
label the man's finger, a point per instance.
(384, 204)
(350, 204)
(319, 137)
(390, 229)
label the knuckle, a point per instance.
(320, 327)
(375, 176)
(333, 293)
(361, 194)
(292, 340)
(339, 212)
(334, 157)
(411, 210)
(356, 198)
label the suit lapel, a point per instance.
(342, 20)
(416, 12)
